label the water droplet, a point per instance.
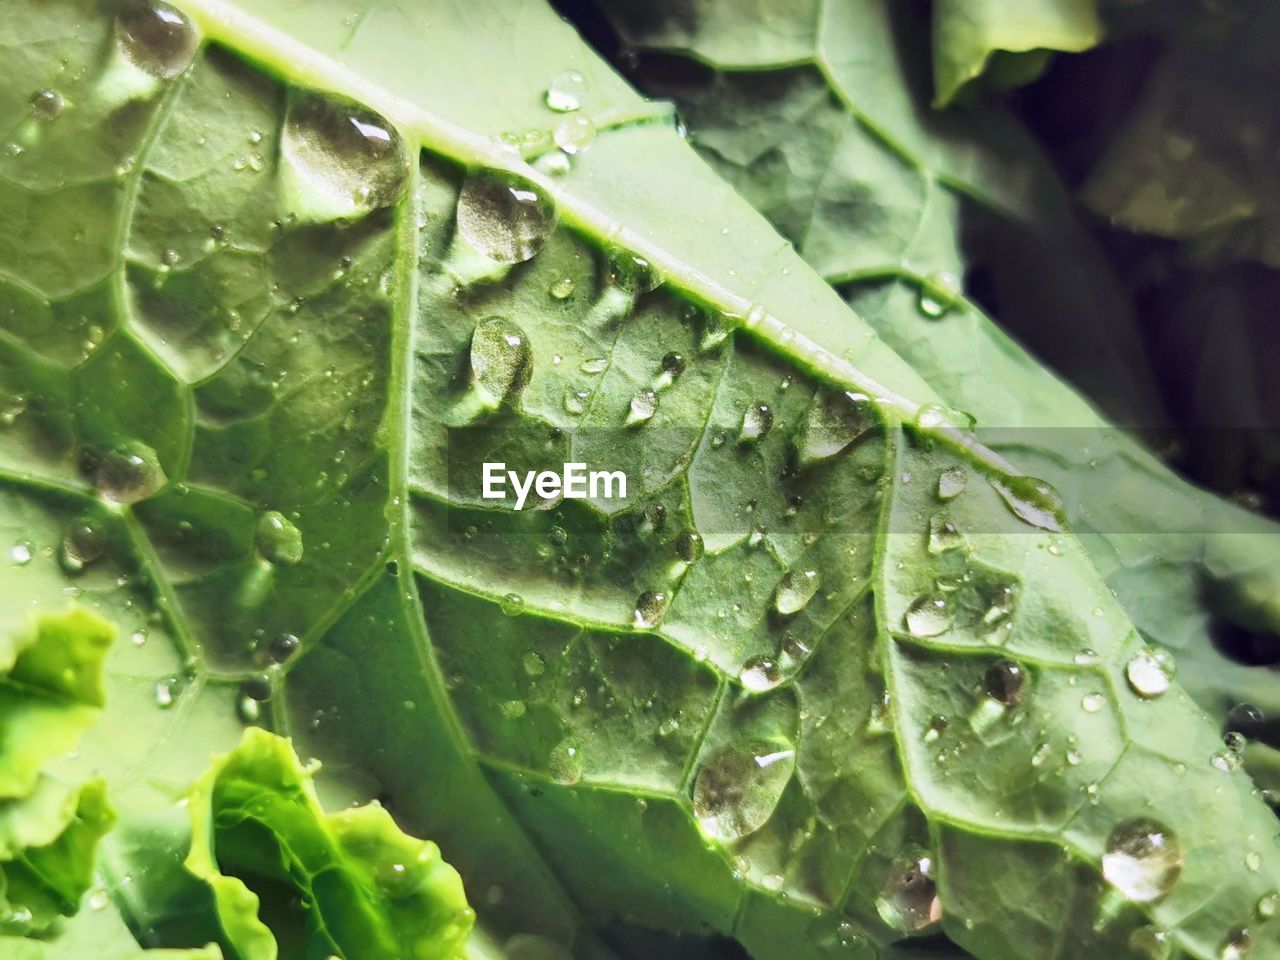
(352, 158)
(651, 607)
(501, 360)
(643, 406)
(633, 273)
(506, 218)
(166, 692)
(562, 289)
(46, 104)
(155, 37)
(83, 542)
(20, 553)
(564, 93)
(1150, 943)
(1092, 702)
(939, 292)
(129, 473)
(909, 901)
(739, 785)
(716, 328)
(277, 539)
(513, 709)
(795, 590)
(832, 423)
(533, 664)
(1142, 860)
(951, 483)
(575, 401)
(574, 134)
(1032, 501)
(283, 648)
(511, 604)
(1238, 943)
(1269, 906)
(757, 421)
(1005, 682)
(1230, 757)
(594, 365)
(1150, 672)
(934, 416)
(689, 546)
(943, 535)
(929, 616)
(760, 673)
(565, 763)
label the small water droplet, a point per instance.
(651, 607)
(20, 553)
(909, 900)
(166, 692)
(1238, 944)
(565, 763)
(501, 360)
(283, 648)
(155, 37)
(739, 785)
(943, 535)
(46, 104)
(1150, 672)
(83, 542)
(1143, 860)
(951, 483)
(929, 616)
(504, 217)
(1032, 501)
(757, 421)
(513, 709)
(832, 423)
(760, 673)
(352, 158)
(1005, 682)
(562, 289)
(934, 416)
(633, 274)
(716, 328)
(565, 91)
(795, 590)
(594, 365)
(1150, 943)
(574, 134)
(689, 546)
(511, 604)
(128, 473)
(939, 292)
(533, 664)
(643, 406)
(1092, 702)
(575, 401)
(277, 539)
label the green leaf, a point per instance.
(335, 264)
(369, 890)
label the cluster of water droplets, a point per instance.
(574, 132)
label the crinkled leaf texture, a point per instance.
(265, 349)
(371, 891)
(50, 693)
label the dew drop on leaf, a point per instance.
(1032, 501)
(1150, 672)
(651, 607)
(795, 590)
(909, 900)
(166, 692)
(277, 539)
(938, 294)
(283, 648)
(155, 37)
(760, 673)
(929, 616)
(351, 157)
(757, 421)
(562, 289)
(642, 408)
(832, 423)
(83, 542)
(20, 553)
(943, 535)
(739, 785)
(633, 274)
(46, 104)
(1238, 944)
(511, 604)
(565, 763)
(594, 365)
(1005, 682)
(934, 416)
(1142, 860)
(1150, 943)
(533, 664)
(501, 360)
(689, 546)
(951, 483)
(128, 473)
(504, 217)
(574, 134)
(565, 91)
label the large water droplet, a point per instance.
(795, 590)
(129, 473)
(83, 542)
(501, 360)
(156, 38)
(564, 92)
(350, 158)
(651, 607)
(1150, 673)
(929, 616)
(1032, 501)
(1142, 860)
(277, 539)
(565, 763)
(738, 786)
(574, 134)
(833, 422)
(506, 218)
(909, 900)
(757, 421)
(760, 673)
